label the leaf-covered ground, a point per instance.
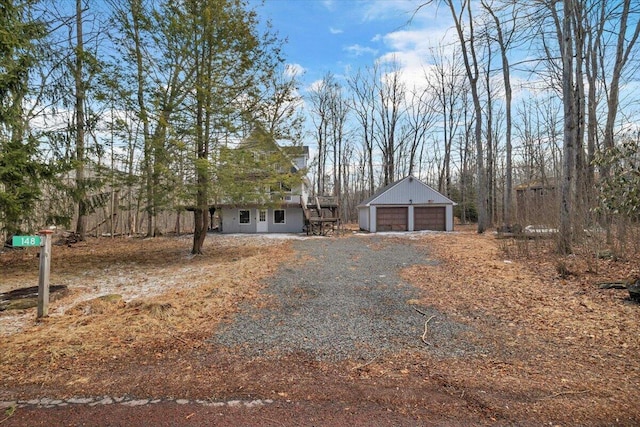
(553, 347)
(558, 348)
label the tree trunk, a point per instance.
(471, 67)
(490, 169)
(594, 40)
(81, 224)
(506, 78)
(201, 212)
(565, 242)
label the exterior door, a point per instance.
(261, 223)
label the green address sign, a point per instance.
(26, 241)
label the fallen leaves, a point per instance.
(551, 348)
(566, 329)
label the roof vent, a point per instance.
(410, 179)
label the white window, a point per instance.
(278, 216)
(245, 216)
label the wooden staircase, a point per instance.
(322, 218)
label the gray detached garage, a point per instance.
(406, 205)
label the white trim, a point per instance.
(410, 218)
(373, 218)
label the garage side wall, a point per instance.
(449, 211)
(363, 218)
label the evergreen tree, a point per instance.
(20, 169)
(257, 171)
(229, 59)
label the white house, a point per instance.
(285, 215)
(406, 205)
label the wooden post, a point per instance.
(43, 279)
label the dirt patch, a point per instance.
(140, 312)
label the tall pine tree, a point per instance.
(20, 170)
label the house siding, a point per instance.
(363, 218)
(294, 221)
(229, 220)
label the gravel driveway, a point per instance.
(342, 298)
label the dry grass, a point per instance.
(554, 344)
(178, 302)
(554, 349)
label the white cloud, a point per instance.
(421, 40)
(294, 70)
(315, 85)
(335, 30)
(410, 46)
(412, 51)
(329, 5)
(359, 50)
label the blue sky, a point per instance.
(338, 35)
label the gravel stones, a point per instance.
(341, 298)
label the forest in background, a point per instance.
(113, 114)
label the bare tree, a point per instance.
(626, 41)
(339, 110)
(504, 39)
(580, 31)
(594, 28)
(468, 42)
(446, 80)
(330, 109)
(362, 86)
(564, 26)
(321, 99)
(420, 119)
(389, 111)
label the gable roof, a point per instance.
(410, 190)
(259, 140)
(375, 195)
